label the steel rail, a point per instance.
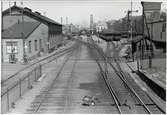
(58, 74)
(135, 91)
(71, 79)
(122, 76)
(111, 90)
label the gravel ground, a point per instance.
(67, 93)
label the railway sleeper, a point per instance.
(138, 90)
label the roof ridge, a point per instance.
(42, 17)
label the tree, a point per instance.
(124, 25)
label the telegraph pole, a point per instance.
(142, 50)
(131, 30)
(130, 21)
(24, 52)
(2, 30)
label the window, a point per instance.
(12, 47)
(29, 46)
(35, 45)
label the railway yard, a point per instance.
(83, 57)
(81, 79)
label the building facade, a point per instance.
(157, 30)
(28, 33)
(100, 26)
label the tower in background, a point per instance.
(91, 24)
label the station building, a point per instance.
(157, 30)
(28, 33)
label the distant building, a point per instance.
(65, 29)
(70, 28)
(100, 26)
(74, 28)
(29, 32)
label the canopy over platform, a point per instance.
(112, 35)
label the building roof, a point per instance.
(19, 29)
(113, 35)
(29, 12)
(111, 32)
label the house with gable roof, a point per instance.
(28, 33)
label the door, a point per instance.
(12, 50)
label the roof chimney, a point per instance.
(15, 3)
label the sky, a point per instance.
(79, 11)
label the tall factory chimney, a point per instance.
(91, 24)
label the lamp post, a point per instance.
(24, 52)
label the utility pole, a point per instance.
(130, 21)
(142, 44)
(2, 30)
(11, 45)
(131, 30)
(24, 52)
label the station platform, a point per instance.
(156, 73)
(131, 69)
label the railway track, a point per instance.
(110, 88)
(44, 100)
(125, 96)
(45, 94)
(65, 93)
(42, 61)
(123, 86)
(12, 80)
